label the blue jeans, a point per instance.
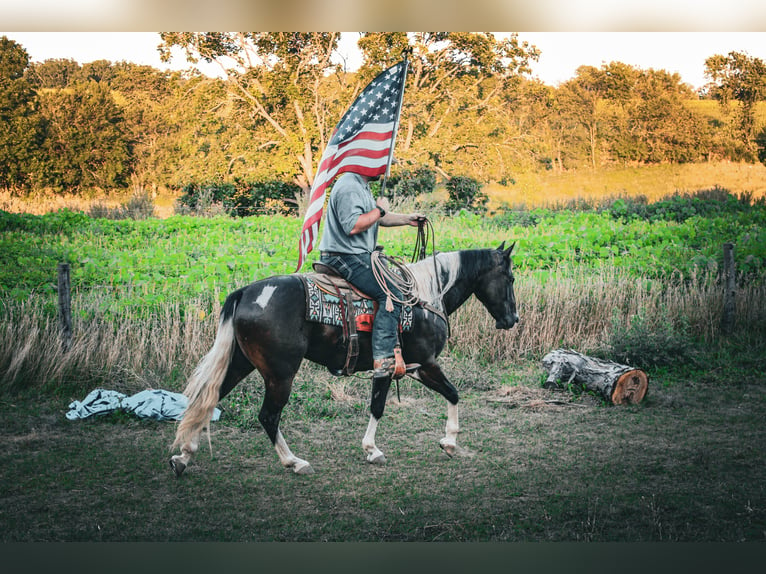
(356, 268)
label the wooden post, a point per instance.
(730, 289)
(65, 307)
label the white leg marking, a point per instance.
(449, 442)
(374, 455)
(179, 462)
(265, 296)
(288, 459)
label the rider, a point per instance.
(348, 240)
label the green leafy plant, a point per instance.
(465, 193)
(651, 341)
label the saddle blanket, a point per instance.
(323, 307)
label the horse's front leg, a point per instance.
(433, 378)
(449, 442)
(380, 386)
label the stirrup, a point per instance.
(383, 367)
(400, 368)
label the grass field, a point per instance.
(653, 182)
(534, 465)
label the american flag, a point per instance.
(361, 142)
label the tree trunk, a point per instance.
(619, 384)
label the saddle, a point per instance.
(332, 300)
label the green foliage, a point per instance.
(143, 263)
(411, 183)
(20, 124)
(240, 198)
(650, 342)
(465, 193)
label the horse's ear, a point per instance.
(502, 246)
(507, 252)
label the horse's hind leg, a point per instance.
(238, 368)
(275, 400)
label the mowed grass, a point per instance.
(534, 465)
(544, 189)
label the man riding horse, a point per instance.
(348, 241)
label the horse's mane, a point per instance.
(433, 281)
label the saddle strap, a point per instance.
(349, 330)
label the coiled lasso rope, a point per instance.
(393, 270)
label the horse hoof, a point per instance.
(380, 458)
(303, 469)
(177, 466)
(449, 449)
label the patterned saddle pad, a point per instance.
(323, 306)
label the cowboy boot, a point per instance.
(383, 367)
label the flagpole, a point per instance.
(406, 51)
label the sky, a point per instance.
(561, 52)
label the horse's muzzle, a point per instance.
(507, 322)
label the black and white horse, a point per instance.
(263, 326)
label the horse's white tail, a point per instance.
(203, 388)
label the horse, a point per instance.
(263, 326)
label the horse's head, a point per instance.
(495, 288)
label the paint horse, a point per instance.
(263, 326)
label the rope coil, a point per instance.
(394, 271)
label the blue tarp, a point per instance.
(152, 404)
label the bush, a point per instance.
(465, 193)
(409, 183)
(239, 199)
(681, 206)
(647, 343)
(139, 206)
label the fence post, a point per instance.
(730, 288)
(65, 307)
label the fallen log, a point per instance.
(618, 384)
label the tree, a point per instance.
(20, 125)
(633, 115)
(52, 73)
(278, 83)
(742, 78)
(452, 74)
(85, 145)
(579, 100)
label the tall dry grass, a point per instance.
(582, 310)
(586, 310)
(127, 353)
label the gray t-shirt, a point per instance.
(350, 197)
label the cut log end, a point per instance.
(630, 388)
